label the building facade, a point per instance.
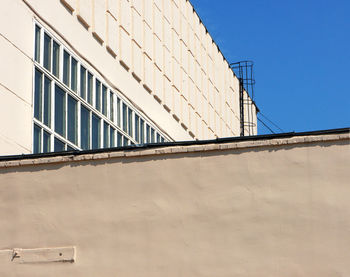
(86, 74)
(264, 206)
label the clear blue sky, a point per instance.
(301, 52)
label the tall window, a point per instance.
(74, 108)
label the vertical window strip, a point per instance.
(60, 111)
(104, 100)
(66, 67)
(142, 131)
(37, 139)
(137, 128)
(47, 101)
(38, 94)
(90, 88)
(125, 118)
(47, 52)
(82, 82)
(46, 142)
(105, 135)
(56, 59)
(111, 106)
(112, 137)
(37, 43)
(72, 120)
(84, 128)
(74, 74)
(96, 132)
(118, 112)
(98, 95)
(130, 127)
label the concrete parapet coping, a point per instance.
(169, 149)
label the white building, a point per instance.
(83, 74)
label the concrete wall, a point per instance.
(258, 208)
(157, 53)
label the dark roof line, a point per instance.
(180, 143)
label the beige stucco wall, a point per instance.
(157, 53)
(258, 208)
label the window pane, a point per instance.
(37, 43)
(118, 112)
(37, 139)
(125, 118)
(89, 88)
(111, 107)
(137, 128)
(98, 95)
(69, 148)
(60, 111)
(83, 82)
(105, 135)
(56, 59)
(74, 73)
(66, 68)
(152, 136)
(85, 128)
(46, 142)
(142, 131)
(148, 135)
(47, 52)
(158, 138)
(119, 139)
(38, 95)
(96, 131)
(162, 139)
(47, 102)
(104, 100)
(130, 122)
(126, 141)
(59, 145)
(72, 120)
(112, 137)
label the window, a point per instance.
(59, 145)
(130, 122)
(60, 111)
(105, 135)
(66, 67)
(98, 95)
(65, 94)
(96, 132)
(148, 134)
(125, 118)
(111, 106)
(72, 120)
(37, 43)
(56, 59)
(83, 82)
(47, 52)
(89, 88)
(38, 95)
(142, 131)
(74, 75)
(104, 100)
(112, 137)
(137, 128)
(84, 128)
(46, 142)
(119, 139)
(47, 101)
(37, 139)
